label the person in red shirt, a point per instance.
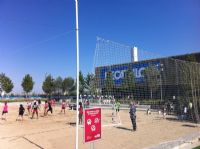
(63, 106)
(80, 115)
(4, 111)
(35, 110)
(46, 105)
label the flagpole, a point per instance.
(77, 71)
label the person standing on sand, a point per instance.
(39, 103)
(63, 106)
(190, 112)
(185, 111)
(45, 108)
(35, 110)
(21, 112)
(29, 107)
(132, 113)
(117, 106)
(164, 111)
(50, 107)
(4, 111)
(80, 115)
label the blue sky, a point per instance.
(38, 36)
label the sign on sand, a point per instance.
(92, 124)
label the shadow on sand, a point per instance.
(173, 119)
(71, 123)
(124, 128)
(192, 125)
(187, 125)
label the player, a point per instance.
(50, 107)
(80, 115)
(29, 107)
(117, 106)
(63, 106)
(45, 108)
(4, 111)
(35, 110)
(21, 112)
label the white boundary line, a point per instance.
(109, 125)
(112, 125)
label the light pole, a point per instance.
(161, 90)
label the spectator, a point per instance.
(87, 103)
(185, 113)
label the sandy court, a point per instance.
(55, 131)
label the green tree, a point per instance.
(27, 84)
(191, 79)
(6, 83)
(128, 84)
(82, 85)
(151, 74)
(109, 83)
(68, 85)
(90, 83)
(48, 85)
(191, 58)
(58, 86)
(2, 76)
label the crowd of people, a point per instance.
(33, 108)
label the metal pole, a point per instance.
(92, 145)
(161, 83)
(77, 71)
(161, 87)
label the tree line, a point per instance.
(51, 86)
(67, 86)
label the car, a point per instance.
(72, 106)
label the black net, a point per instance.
(170, 84)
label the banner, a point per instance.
(92, 124)
(118, 71)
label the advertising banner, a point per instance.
(118, 71)
(92, 124)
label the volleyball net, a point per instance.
(124, 73)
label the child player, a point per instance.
(63, 106)
(5, 111)
(21, 112)
(35, 110)
(45, 108)
(80, 115)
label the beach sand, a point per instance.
(55, 131)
